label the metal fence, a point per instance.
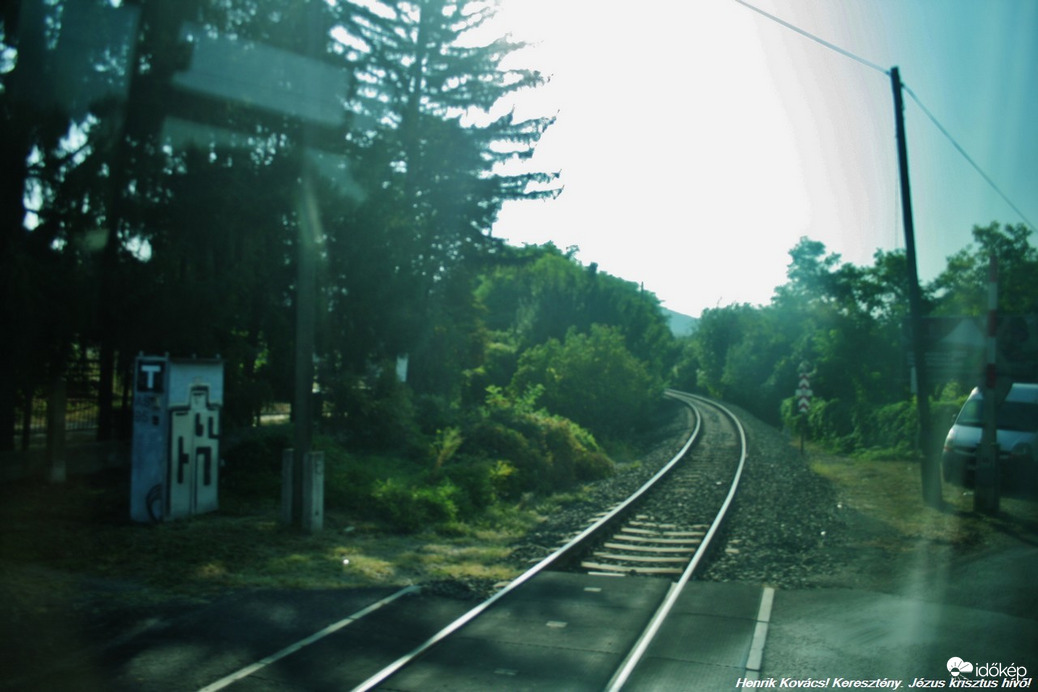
(82, 380)
(81, 383)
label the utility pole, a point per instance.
(986, 491)
(306, 289)
(930, 473)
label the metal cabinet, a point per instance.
(176, 437)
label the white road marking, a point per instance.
(316, 636)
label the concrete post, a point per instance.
(287, 476)
(313, 493)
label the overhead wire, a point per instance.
(966, 156)
(926, 111)
(816, 39)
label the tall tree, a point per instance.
(962, 287)
(137, 214)
(431, 89)
(66, 64)
(542, 293)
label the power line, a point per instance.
(816, 39)
(966, 156)
(874, 66)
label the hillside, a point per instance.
(680, 324)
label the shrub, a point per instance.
(408, 508)
(446, 444)
(433, 412)
(894, 428)
(890, 429)
(376, 417)
(574, 453)
(594, 465)
(474, 480)
(533, 451)
(495, 441)
(348, 481)
(252, 468)
(591, 379)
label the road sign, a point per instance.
(804, 393)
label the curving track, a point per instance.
(672, 519)
(585, 617)
(657, 531)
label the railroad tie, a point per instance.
(641, 558)
(627, 569)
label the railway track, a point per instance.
(672, 519)
(611, 609)
(656, 532)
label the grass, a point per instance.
(887, 496)
(53, 538)
(53, 535)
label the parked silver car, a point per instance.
(1017, 444)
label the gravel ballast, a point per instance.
(777, 530)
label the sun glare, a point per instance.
(669, 120)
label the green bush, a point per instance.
(475, 483)
(894, 428)
(433, 412)
(252, 463)
(407, 508)
(593, 380)
(495, 441)
(374, 416)
(348, 481)
(593, 466)
(891, 429)
(533, 451)
(574, 454)
(832, 422)
(562, 452)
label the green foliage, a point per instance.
(408, 508)
(540, 293)
(397, 491)
(446, 444)
(252, 463)
(531, 450)
(962, 288)
(890, 430)
(685, 374)
(845, 324)
(895, 428)
(591, 379)
(479, 484)
(199, 240)
(375, 416)
(349, 479)
(492, 439)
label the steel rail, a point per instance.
(629, 664)
(574, 546)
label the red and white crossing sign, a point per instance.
(803, 392)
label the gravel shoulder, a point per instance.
(816, 520)
(823, 521)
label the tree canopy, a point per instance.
(151, 192)
(153, 203)
(848, 324)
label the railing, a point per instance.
(81, 410)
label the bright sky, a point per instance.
(699, 140)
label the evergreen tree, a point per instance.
(438, 154)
